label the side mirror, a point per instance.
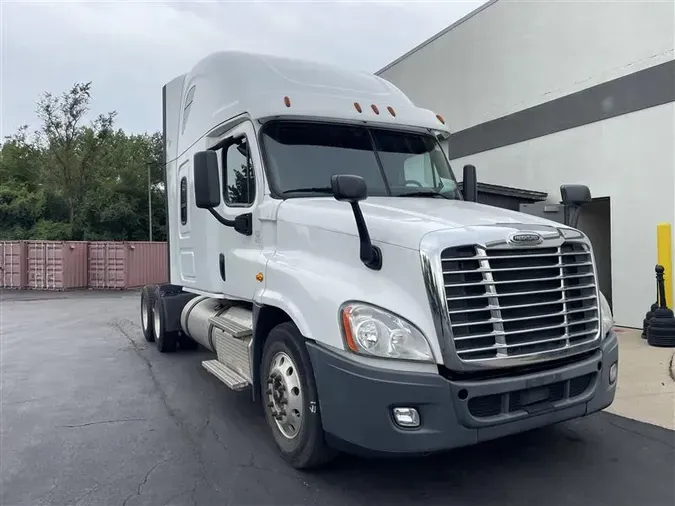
(348, 188)
(353, 189)
(207, 180)
(575, 194)
(470, 184)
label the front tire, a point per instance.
(147, 306)
(167, 341)
(290, 399)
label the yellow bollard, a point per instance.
(664, 257)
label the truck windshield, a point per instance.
(302, 157)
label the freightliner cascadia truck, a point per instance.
(320, 247)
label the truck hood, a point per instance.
(400, 221)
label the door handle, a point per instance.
(221, 262)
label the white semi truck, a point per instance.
(319, 246)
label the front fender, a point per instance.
(310, 282)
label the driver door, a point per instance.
(242, 191)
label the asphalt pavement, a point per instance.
(91, 414)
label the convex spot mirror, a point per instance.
(207, 179)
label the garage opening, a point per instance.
(595, 222)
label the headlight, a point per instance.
(606, 318)
(372, 331)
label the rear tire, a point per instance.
(147, 307)
(290, 399)
(166, 341)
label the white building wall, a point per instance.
(514, 55)
(629, 158)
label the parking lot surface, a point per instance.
(94, 415)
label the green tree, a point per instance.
(72, 180)
(21, 159)
(71, 148)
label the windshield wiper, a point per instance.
(423, 193)
(323, 189)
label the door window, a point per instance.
(238, 174)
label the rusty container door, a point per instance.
(107, 265)
(75, 264)
(40, 276)
(146, 263)
(13, 264)
(57, 265)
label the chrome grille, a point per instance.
(520, 301)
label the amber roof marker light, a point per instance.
(440, 118)
(391, 111)
(375, 109)
(287, 101)
(357, 106)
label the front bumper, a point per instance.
(356, 401)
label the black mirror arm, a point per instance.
(242, 223)
(371, 255)
(224, 221)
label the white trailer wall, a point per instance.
(543, 93)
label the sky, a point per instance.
(129, 49)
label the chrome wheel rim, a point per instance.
(284, 395)
(145, 317)
(157, 324)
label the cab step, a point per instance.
(231, 378)
(230, 324)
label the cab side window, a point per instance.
(238, 174)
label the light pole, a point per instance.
(149, 203)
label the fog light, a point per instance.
(406, 417)
(613, 373)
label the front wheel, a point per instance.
(290, 399)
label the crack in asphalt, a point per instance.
(119, 326)
(216, 436)
(88, 493)
(145, 481)
(88, 424)
(122, 326)
(50, 493)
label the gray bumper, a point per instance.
(356, 401)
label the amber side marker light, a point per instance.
(287, 101)
(375, 109)
(391, 111)
(357, 106)
(346, 325)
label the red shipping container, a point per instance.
(116, 265)
(57, 265)
(13, 264)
